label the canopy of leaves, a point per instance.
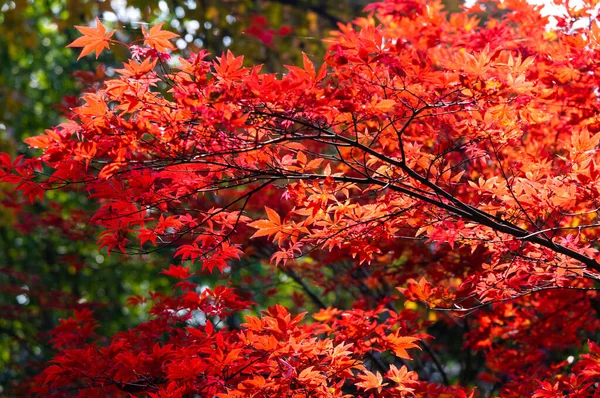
(430, 184)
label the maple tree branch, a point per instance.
(459, 208)
(579, 227)
(470, 310)
(471, 212)
(456, 207)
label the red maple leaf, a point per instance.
(177, 271)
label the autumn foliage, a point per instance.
(431, 186)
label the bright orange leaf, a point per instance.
(94, 39)
(158, 39)
(371, 381)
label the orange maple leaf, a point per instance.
(38, 141)
(399, 344)
(158, 39)
(403, 377)
(416, 291)
(371, 381)
(267, 227)
(94, 39)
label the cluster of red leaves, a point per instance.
(455, 158)
(260, 29)
(177, 353)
